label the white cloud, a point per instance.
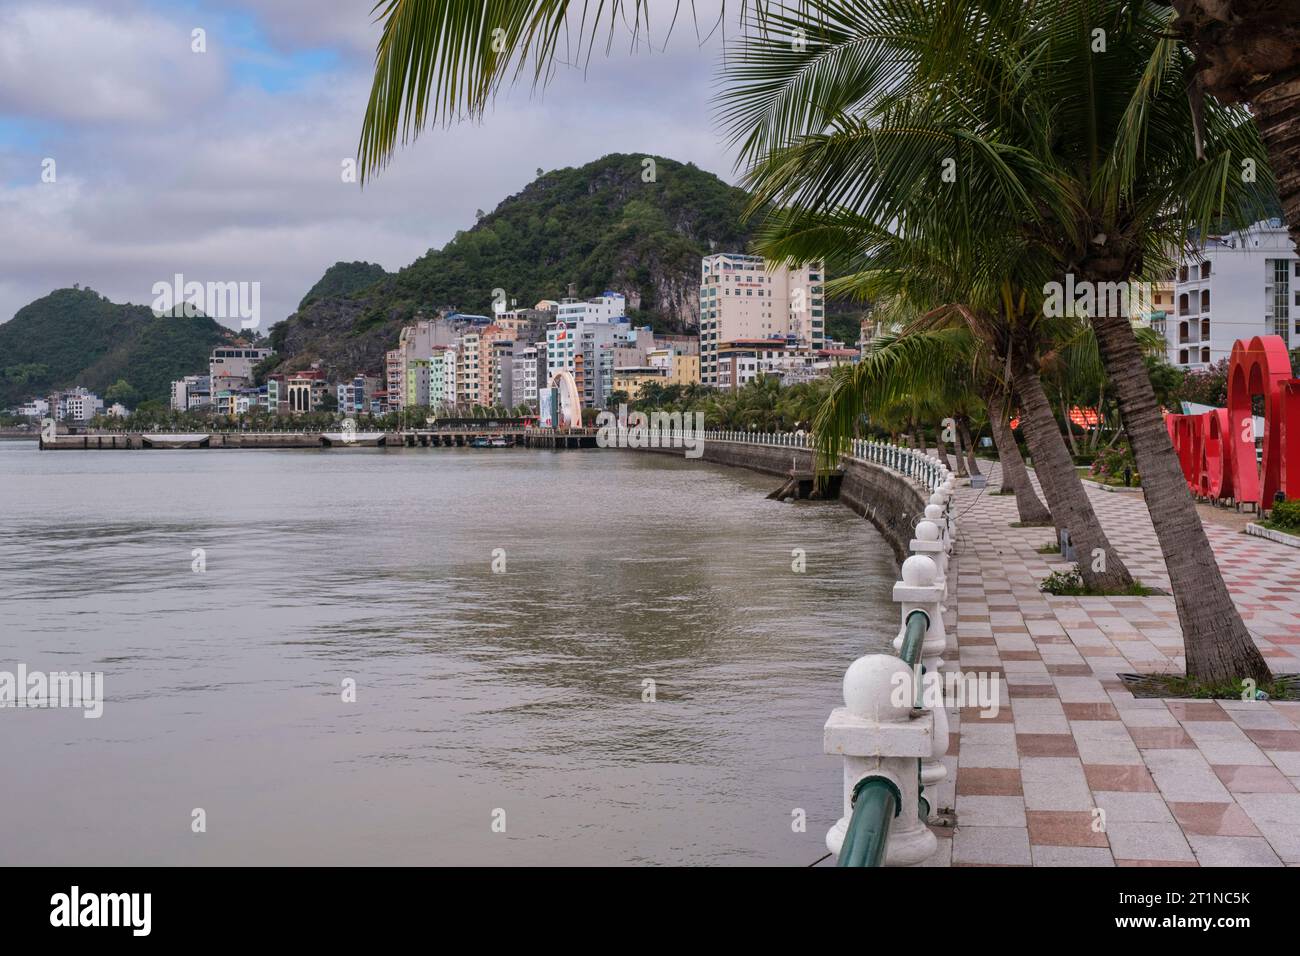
(78, 63)
(248, 188)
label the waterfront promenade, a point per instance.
(1181, 783)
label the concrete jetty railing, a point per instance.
(892, 731)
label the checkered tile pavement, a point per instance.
(1077, 771)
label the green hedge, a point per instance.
(1286, 515)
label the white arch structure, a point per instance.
(569, 414)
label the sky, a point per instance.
(226, 165)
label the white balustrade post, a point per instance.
(919, 591)
(876, 736)
(947, 489)
(929, 541)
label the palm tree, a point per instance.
(962, 120)
(1001, 114)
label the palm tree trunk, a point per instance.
(1277, 113)
(940, 451)
(1015, 478)
(963, 426)
(1069, 426)
(1100, 565)
(1095, 438)
(1243, 58)
(957, 455)
(1217, 645)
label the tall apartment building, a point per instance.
(354, 396)
(742, 299)
(394, 377)
(468, 370)
(501, 383)
(447, 382)
(1240, 285)
(576, 347)
(416, 394)
(528, 373)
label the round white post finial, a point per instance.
(920, 571)
(938, 498)
(879, 686)
(934, 512)
(927, 530)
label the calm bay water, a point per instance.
(476, 691)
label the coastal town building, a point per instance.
(354, 397)
(468, 370)
(36, 408)
(744, 298)
(605, 307)
(528, 369)
(76, 404)
(306, 390)
(231, 367)
(191, 392)
(1235, 286)
(629, 380)
(500, 357)
(677, 367)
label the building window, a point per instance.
(1205, 270)
(1281, 288)
(1182, 356)
(1205, 355)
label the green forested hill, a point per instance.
(599, 226)
(78, 337)
(343, 278)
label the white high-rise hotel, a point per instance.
(1242, 285)
(742, 299)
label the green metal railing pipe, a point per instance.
(918, 622)
(876, 801)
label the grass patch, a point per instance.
(1051, 547)
(1070, 584)
(1001, 492)
(1284, 687)
(1030, 524)
(1112, 482)
(1272, 525)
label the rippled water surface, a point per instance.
(476, 692)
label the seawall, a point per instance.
(891, 502)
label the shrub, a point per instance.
(1285, 515)
(1063, 582)
(1110, 464)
